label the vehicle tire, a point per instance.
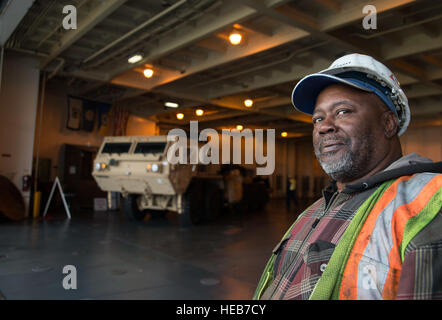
(192, 205)
(130, 209)
(156, 214)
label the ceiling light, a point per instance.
(284, 134)
(199, 112)
(235, 38)
(135, 58)
(248, 103)
(171, 104)
(148, 73)
(180, 116)
(239, 127)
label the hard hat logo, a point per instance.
(392, 77)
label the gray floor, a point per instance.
(155, 259)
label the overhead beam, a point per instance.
(426, 106)
(332, 5)
(297, 15)
(410, 68)
(248, 27)
(236, 104)
(232, 13)
(292, 71)
(285, 34)
(104, 9)
(420, 90)
(413, 43)
(243, 120)
(431, 59)
(11, 16)
(354, 45)
(208, 25)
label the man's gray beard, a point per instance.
(342, 170)
(351, 165)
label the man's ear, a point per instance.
(390, 123)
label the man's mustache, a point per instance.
(336, 139)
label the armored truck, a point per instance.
(137, 168)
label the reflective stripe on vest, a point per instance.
(374, 265)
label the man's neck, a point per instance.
(384, 163)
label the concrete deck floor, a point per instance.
(155, 259)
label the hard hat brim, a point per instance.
(306, 91)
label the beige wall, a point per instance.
(139, 126)
(18, 106)
(425, 141)
(54, 132)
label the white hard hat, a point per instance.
(359, 71)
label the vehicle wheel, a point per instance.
(192, 205)
(130, 209)
(157, 214)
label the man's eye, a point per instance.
(316, 120)
(342, 111)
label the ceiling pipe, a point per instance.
(50, 34)
(31, 52)
(57, 68)
(149, 33)
(143, 25)
(35, 23)
(399, 28)
(263, 66)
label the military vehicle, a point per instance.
(137, 167)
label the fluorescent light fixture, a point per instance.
(135, 58)
(248, 103)
(235, 38)
(148, 73)
(171, 104)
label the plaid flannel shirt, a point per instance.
(303, 254)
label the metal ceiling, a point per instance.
(186, 43)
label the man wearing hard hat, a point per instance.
(377, 231)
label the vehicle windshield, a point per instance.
(150, 147)
(116, 147)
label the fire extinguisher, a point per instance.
(26, 182)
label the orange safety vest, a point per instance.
(367, 262)
(372, 257)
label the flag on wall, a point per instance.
(89, 111)
(120, 115)
(75, 107)
(103, 118)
